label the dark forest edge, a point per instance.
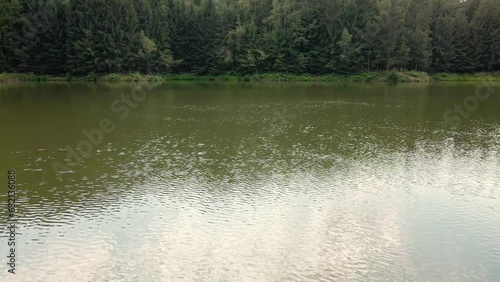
(211, 38)
(389, 77)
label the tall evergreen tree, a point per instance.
(419, 29)
(486, 40)
(462, 49)
(286, 37)
(10, 11)
(393, 36)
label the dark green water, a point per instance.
(248, 182)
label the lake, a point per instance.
(252, 182)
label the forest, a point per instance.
(248, 36)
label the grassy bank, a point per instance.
(285, 77)
(24, 77)
(390, 77)
(494, 76)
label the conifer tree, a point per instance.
(419, 29)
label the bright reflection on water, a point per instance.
(255, 183)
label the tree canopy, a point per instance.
(248, 36)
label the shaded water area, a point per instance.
(253, 182)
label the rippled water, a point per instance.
(247, 182)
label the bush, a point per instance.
(92, 77)
(134, 77)
(114, 77)
(392, 77)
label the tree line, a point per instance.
(248, 36)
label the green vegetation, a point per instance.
(278, 39)
(467, 77)
(13, 77)
(391, 77)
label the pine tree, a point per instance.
(393, 36)
(316, 45)
(286, 37)
(442, 43)
(419, 41)
(50, 54)
(104, 36)
(10, 11)
(209, 38)
(462, 49)
(486, 40)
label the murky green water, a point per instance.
(220, 182)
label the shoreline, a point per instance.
(388, 77)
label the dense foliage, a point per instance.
(248, 36)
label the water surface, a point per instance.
(253, 182)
